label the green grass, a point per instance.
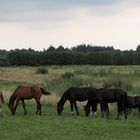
(9, 84)
(65, 127)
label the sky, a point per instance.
(37, 24)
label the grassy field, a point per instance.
(50, 125)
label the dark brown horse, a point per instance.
(1, 102)
(133, 102)
(74, 94)
(110, 96)
(26, 92)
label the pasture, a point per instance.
(57, 80)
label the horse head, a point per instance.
(87, 110)
(59, 109)
(11, 107)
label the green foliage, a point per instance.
(67, 75)
(117, 82)
(9, 84)
(62, 56)
(66, 127)
(4, 61)
(42, 70)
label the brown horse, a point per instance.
(26, 92)
(1, 102)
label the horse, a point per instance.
(92, 106)
(1, 102)
(26, 92)
(133, 102)
(110, 96)
(74, 94)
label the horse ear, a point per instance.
(83, 106)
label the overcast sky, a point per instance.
(37, 24)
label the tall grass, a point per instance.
(60, 78)
(51, 126)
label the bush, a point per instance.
(117, 83)
(42, 70)
(4, 61)
(67, 75)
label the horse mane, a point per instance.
(13, 97)
(63, 98)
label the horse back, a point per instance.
(131, 102)
(137, 100)
(112, 95)
(81, 94)
(28, 92)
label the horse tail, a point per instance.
(44, 92)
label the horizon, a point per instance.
(70, 48)
(37, 24)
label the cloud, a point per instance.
(69, 22)
(27, 10)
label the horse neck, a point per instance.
(12, 100)
(63, 99)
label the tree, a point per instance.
(51, 49)
(138, 48)
(60, 48)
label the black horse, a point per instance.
(92, 106)
(110, 96)
(133, 102)
(74, 94)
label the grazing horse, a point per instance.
(90, 104)
(1, 102)
(133, 102)
(110, 96)
(74, 94)
(26, 92)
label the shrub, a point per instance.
(67, 75)
(117, 83)
(4, 61)
(42, 70)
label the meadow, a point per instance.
(56, 80)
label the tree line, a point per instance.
(79, 55)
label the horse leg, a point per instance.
(38, 107)
(75, 105)
(17, 101)
(139, 110)
(107, 110)
(23, 104)
(71, 105)
(125, 111)
(102, 106)
(119, 110)
(93, 108)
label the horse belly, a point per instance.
(26, 96)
